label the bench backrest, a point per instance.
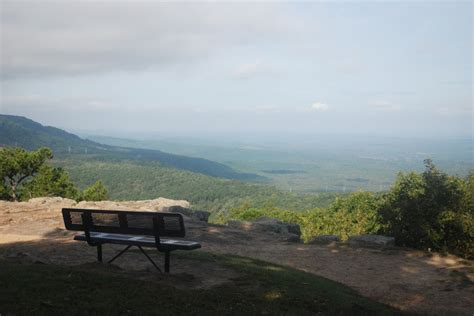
(125, 222)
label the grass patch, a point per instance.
(262, 288)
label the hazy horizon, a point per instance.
(248, 71)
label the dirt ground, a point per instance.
(407, 279)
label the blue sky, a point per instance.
(250, 69)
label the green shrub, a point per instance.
(352, 215)
(355, 214)
(427, 210)
(96, 192)
(430, 210)
(17, 167)
(50, 182)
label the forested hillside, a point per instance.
(128, 180)
(28, 134)
(319, 163)
(134, 174)
(25, 133)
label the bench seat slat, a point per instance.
(145, 241)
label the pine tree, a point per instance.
(96, 192)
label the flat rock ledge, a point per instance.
(372, 241)
(324, 240)
(54, 204)
(288, 232)
(160, 204)
(198, 215)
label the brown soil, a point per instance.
(404, 278)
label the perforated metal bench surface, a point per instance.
(144, 241)
(140, 229)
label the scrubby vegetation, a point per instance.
(96, 192)
(354, 214)
(50, 181)
(431, 210)
(17, 166)
(428, 210)
(26, 175)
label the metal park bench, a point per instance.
(140, 229)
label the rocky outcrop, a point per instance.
(14, 212)
(276, 226)
(372, 241)
(160, 205)
(202, 216)
(288, 232)
(324, 240)
(46, 201)
(50, 207)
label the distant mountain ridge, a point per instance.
(26, 133)
(23, 132)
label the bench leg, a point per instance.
(148, 257)
(167, 262)
(119, 254)
(99, 252)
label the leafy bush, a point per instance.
(355, 214)
(421, 210)
(26, 174)
(17, 167)
(96, 192)
(50, 182)
(430, 210)
(351, 215)
(458, 229)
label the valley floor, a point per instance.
(407, 279)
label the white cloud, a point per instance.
(320, 107)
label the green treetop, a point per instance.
(17, 165)
(96, 192)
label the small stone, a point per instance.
(372, 241)
(324, 240)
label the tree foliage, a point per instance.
(421, 210)
(96, 192)
(354, 214)
(132, 181)
(50, 181)
(17, 166)
(26, 174)
(430, 210)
